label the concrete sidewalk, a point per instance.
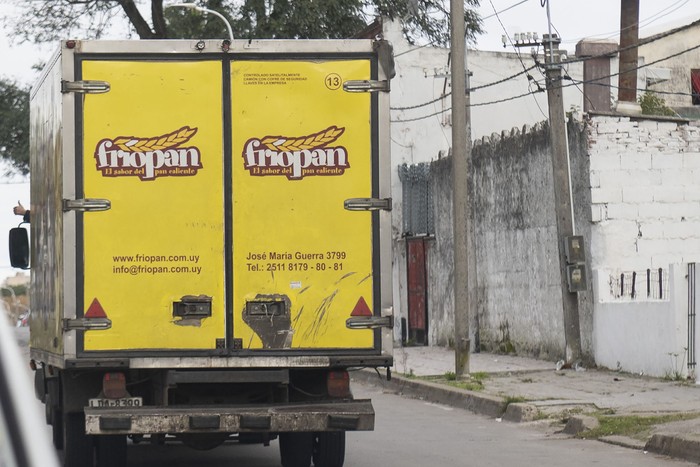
(523, 389)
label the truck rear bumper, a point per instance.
(346, 415)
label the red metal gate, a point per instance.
(417, 291)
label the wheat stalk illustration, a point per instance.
(166, 141)
(309, 142)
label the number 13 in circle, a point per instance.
(333, 81)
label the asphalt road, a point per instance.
(413, 433)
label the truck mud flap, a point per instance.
(355, 415)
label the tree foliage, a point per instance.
(652, 104)
(41, 21)
(91, 19)
(14, 125)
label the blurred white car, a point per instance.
(24, 440)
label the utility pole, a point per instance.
(562, 191)
(461, 141)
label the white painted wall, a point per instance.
(645, 193)
(430, 138)
(642, 336)
(645, 210)
(679, 66)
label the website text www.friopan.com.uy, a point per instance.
(155, 264)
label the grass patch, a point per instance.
(632, 426)
(450, 379)
(479, 375)
(507, 400)
(469, 385)
(513, 400)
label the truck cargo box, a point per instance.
(210, 243)
(202, 202)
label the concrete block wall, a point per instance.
(517, 295)
(645, 193)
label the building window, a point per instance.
(695, 86)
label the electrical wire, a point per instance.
(505, 9)
(647, 21)
(690, 49)
(530, 79)
(482, 19)
(480, 104)
(573, 83)
(567, 76)
(632, 46)
(471, 89)
(567, 62)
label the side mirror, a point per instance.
(19, 248)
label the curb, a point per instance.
(675, 445)
(482, 404)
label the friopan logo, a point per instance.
(148, 158)
(297, 157)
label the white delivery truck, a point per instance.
(210, 243)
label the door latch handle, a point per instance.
(368, 204)
(87, 204)
(85, 87)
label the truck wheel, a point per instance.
(296, 449)
(111, 451)
(56, 427)
(53, 418)
(329, 449)
(56, 422)
(77, 446)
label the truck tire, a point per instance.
(57, 431)
(111, 451)
(56, 424)
(77, 446)
(296, 449)
(329, 449)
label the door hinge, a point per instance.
(87, 204)
(368, 204)
(367, 85)
(85, 87)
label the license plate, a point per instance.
(122, 402)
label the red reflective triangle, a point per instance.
(361, 309)
(95, 310)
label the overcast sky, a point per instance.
(572, 19)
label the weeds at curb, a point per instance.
(633, 426)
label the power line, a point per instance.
(567, 76)
(690, 49)
(475, 88)
(574, 83)
(567, 62)
(496, 13)
(482, 19)
(632, 46)
(530, 79)
(656, 16)
(498, 101)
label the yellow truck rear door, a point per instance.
(227, 176)
(301, 262)
(153, 147)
